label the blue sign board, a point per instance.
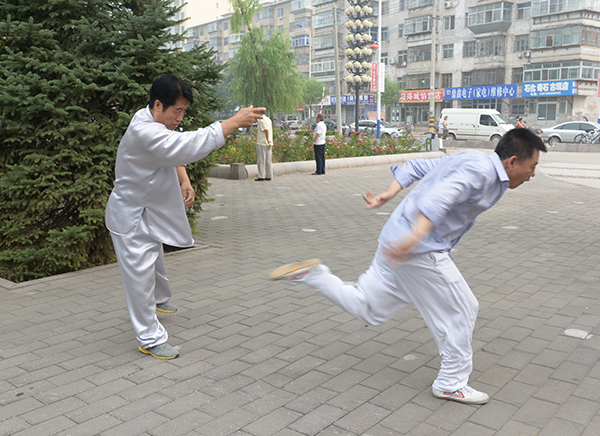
(351, 99)
(480, 92)
(544, 89)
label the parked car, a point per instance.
(566, 132)
(387, 130)
(329, 123)
(292, 123)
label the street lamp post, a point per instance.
(357, 52)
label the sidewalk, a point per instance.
(262, 358)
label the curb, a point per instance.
(238, 171)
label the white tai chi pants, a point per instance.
(264, 156)
(142, 265)
(434, 285)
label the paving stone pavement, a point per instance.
(262, 358)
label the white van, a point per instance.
(475, 124)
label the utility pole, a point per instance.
(379, 75)
(338, 96)
(432, 76)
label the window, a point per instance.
(226, 41)
(517, 75)
(448, 51)
(416, 81)
(449, 23)
(300, 41)
(524, 11)
(400, 30)
(446, 80)
(491, 13)
(517, 106)
(384, 34)
(420, 53)
(483, 77)
(384, 58)
(214, 27)
(264, 14)
(417, 25)
(469, 49)
(385, 8)
(493, 46)
(413, 4)
(556, 37)
(323, 41)
(323, 19)
(590, 36)
(402, 56)
(226, 25)
(521, 43)
(215, 42)
(544, 7)
(279, 12)
(561, 70)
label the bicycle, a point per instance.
(591, 137)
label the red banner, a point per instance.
(420, 96)
(374, 77)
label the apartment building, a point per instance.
(539, 59)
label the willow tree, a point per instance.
(264, 69)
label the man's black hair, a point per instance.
(520, 143)
(168, 88)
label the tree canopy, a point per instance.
(72, 74)
(263, 71)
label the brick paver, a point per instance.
(262, 358)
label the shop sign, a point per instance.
(545, 89)
(420, 96)
(480, 92)
(349, 99)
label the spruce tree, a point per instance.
(72, 75)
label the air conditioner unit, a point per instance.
(391, 61)
(447, 5)
(520, 55)
(403, 63)
(527, 53)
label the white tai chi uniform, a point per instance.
(452, 193)
(264, 148)
(146, 209)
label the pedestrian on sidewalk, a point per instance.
(147, 205)
(413, 265)
(319, 145)
(264, 149)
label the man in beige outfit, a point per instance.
(264, 149)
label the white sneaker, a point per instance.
(296, 272)
(466, 395)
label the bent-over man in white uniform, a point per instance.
(413, 265)
(147, 205)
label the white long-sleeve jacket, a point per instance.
(146, 178)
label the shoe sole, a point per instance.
(461, 400)
(289, 269)
(143, 350)
(165, 311)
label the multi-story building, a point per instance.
(539, 59)
(534, 58)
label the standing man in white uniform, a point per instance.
(413, 265)
(147, 205)
(264, 149)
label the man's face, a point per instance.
(172, 116)
(519, 172)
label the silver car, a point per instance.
(387, 130)
(566, 132)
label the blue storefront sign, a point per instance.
(480, 92)
(349, 99)
(545, 89)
